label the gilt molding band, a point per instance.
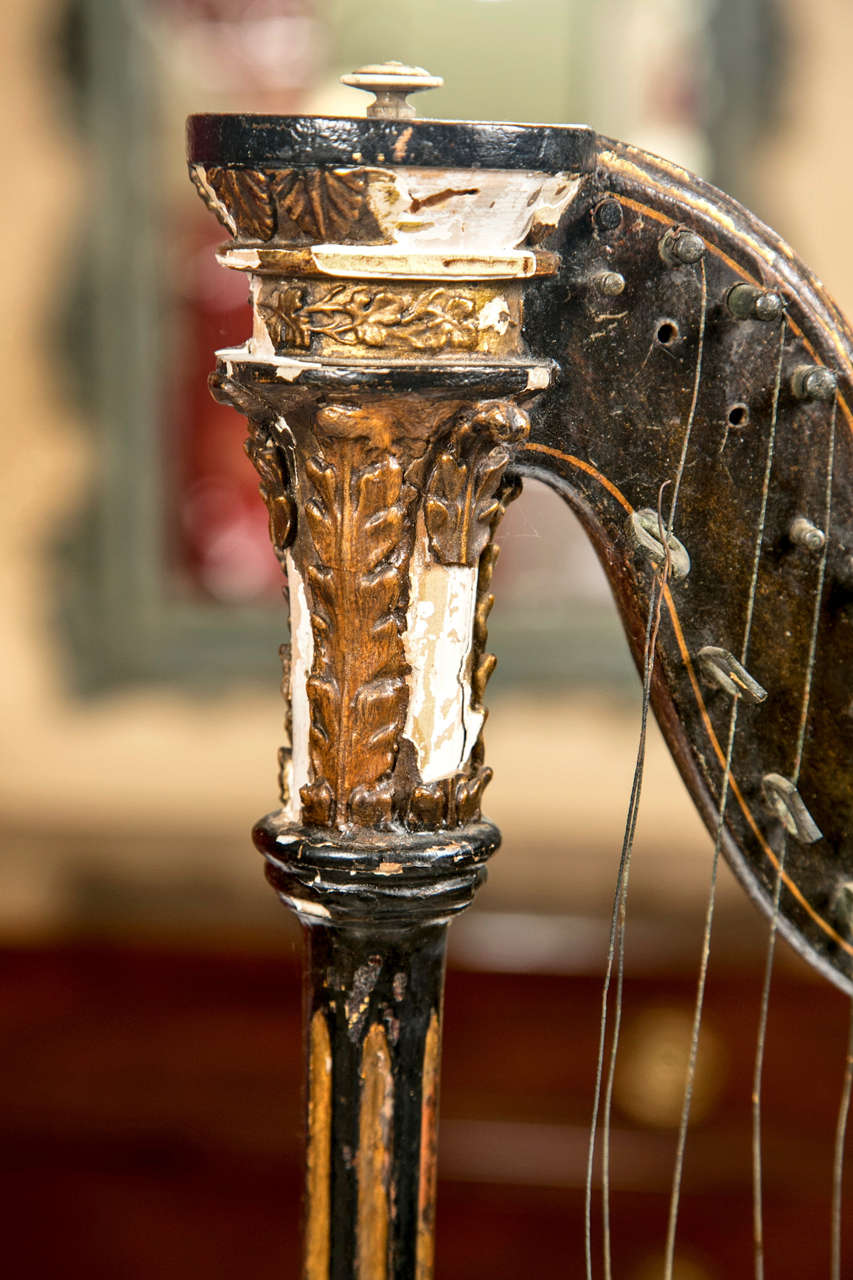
(363, 318)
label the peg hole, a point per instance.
(667, 332)
(739, 414)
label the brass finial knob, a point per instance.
(391, 82)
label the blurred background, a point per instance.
(149, 990)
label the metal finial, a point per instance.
(391, 82)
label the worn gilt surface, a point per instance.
(369, 477)
(345, 317)
(360, 517)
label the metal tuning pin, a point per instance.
(610, 283)
(746, 302)
(784, 800)
(723, 668)
(644, 531)
(806, 535)
(680, 247)
(607, 215)
(813, 382)
(391, 82)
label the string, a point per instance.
(758, 1075)
(838, 1161)
(758, 1072)
(619, 901)
(621, 897)
(678, 1171)
(697, 378)
(616, 941)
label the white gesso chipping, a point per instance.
(301, 662)
(440, 722)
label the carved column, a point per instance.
(384, 385)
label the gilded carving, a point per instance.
(462, 502)
(483, 663)
(451, 801)
(245, 195)
(466, 497)
(288, 204)
(322, 204)
(360, 517)
(267, 456)
(355, 314)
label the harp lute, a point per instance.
(441, 309)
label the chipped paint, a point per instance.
(304, 908)
(239, 259)
(357, 1003)
(401, 145)
(260, 343)
(394, 262)
(301, 662)
(554, 198)
(441, 724)
(539, 377)
(467, 210)
(495, 315)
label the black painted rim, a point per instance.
(398, 376)
(246, 141)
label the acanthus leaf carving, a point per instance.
(357, 691)
(246, 195)
(321, 204)
(469, 794)
(268, 458)
(462, 503)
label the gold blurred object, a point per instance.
(651, 1268)
(652, 1065)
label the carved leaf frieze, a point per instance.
(247, 197)
(373, 317)
(322, 204)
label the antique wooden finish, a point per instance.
(439, 310)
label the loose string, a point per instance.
(678, 1172)
(621, 898)
(758, 1071)
(616, 941)
(617, 930)
(838, 1161)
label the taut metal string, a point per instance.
(758, 1073)
(617, 929)
(621, 898)
(678, 1171)
(616, 942)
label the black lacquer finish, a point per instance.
(610, 432)
(296, 142)
(376, 909)
(375, 877)
(475, 378)
(359, 977)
